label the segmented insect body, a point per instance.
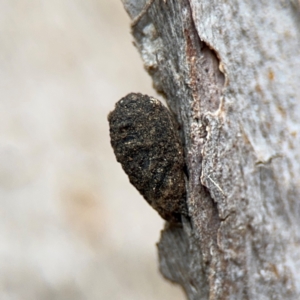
(147, 145)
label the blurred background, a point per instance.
(71, 225)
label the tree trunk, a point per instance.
(230, 73)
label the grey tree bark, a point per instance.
(230, 72)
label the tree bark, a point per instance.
(230, 73)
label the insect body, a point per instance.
(147, 145)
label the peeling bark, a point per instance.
(230, 73)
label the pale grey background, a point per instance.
(71, 225)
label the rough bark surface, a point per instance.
(230, 72)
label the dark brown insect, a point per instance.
(146, 143)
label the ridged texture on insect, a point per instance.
(147, 145)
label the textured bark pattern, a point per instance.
(145, 141)
(230, 73)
